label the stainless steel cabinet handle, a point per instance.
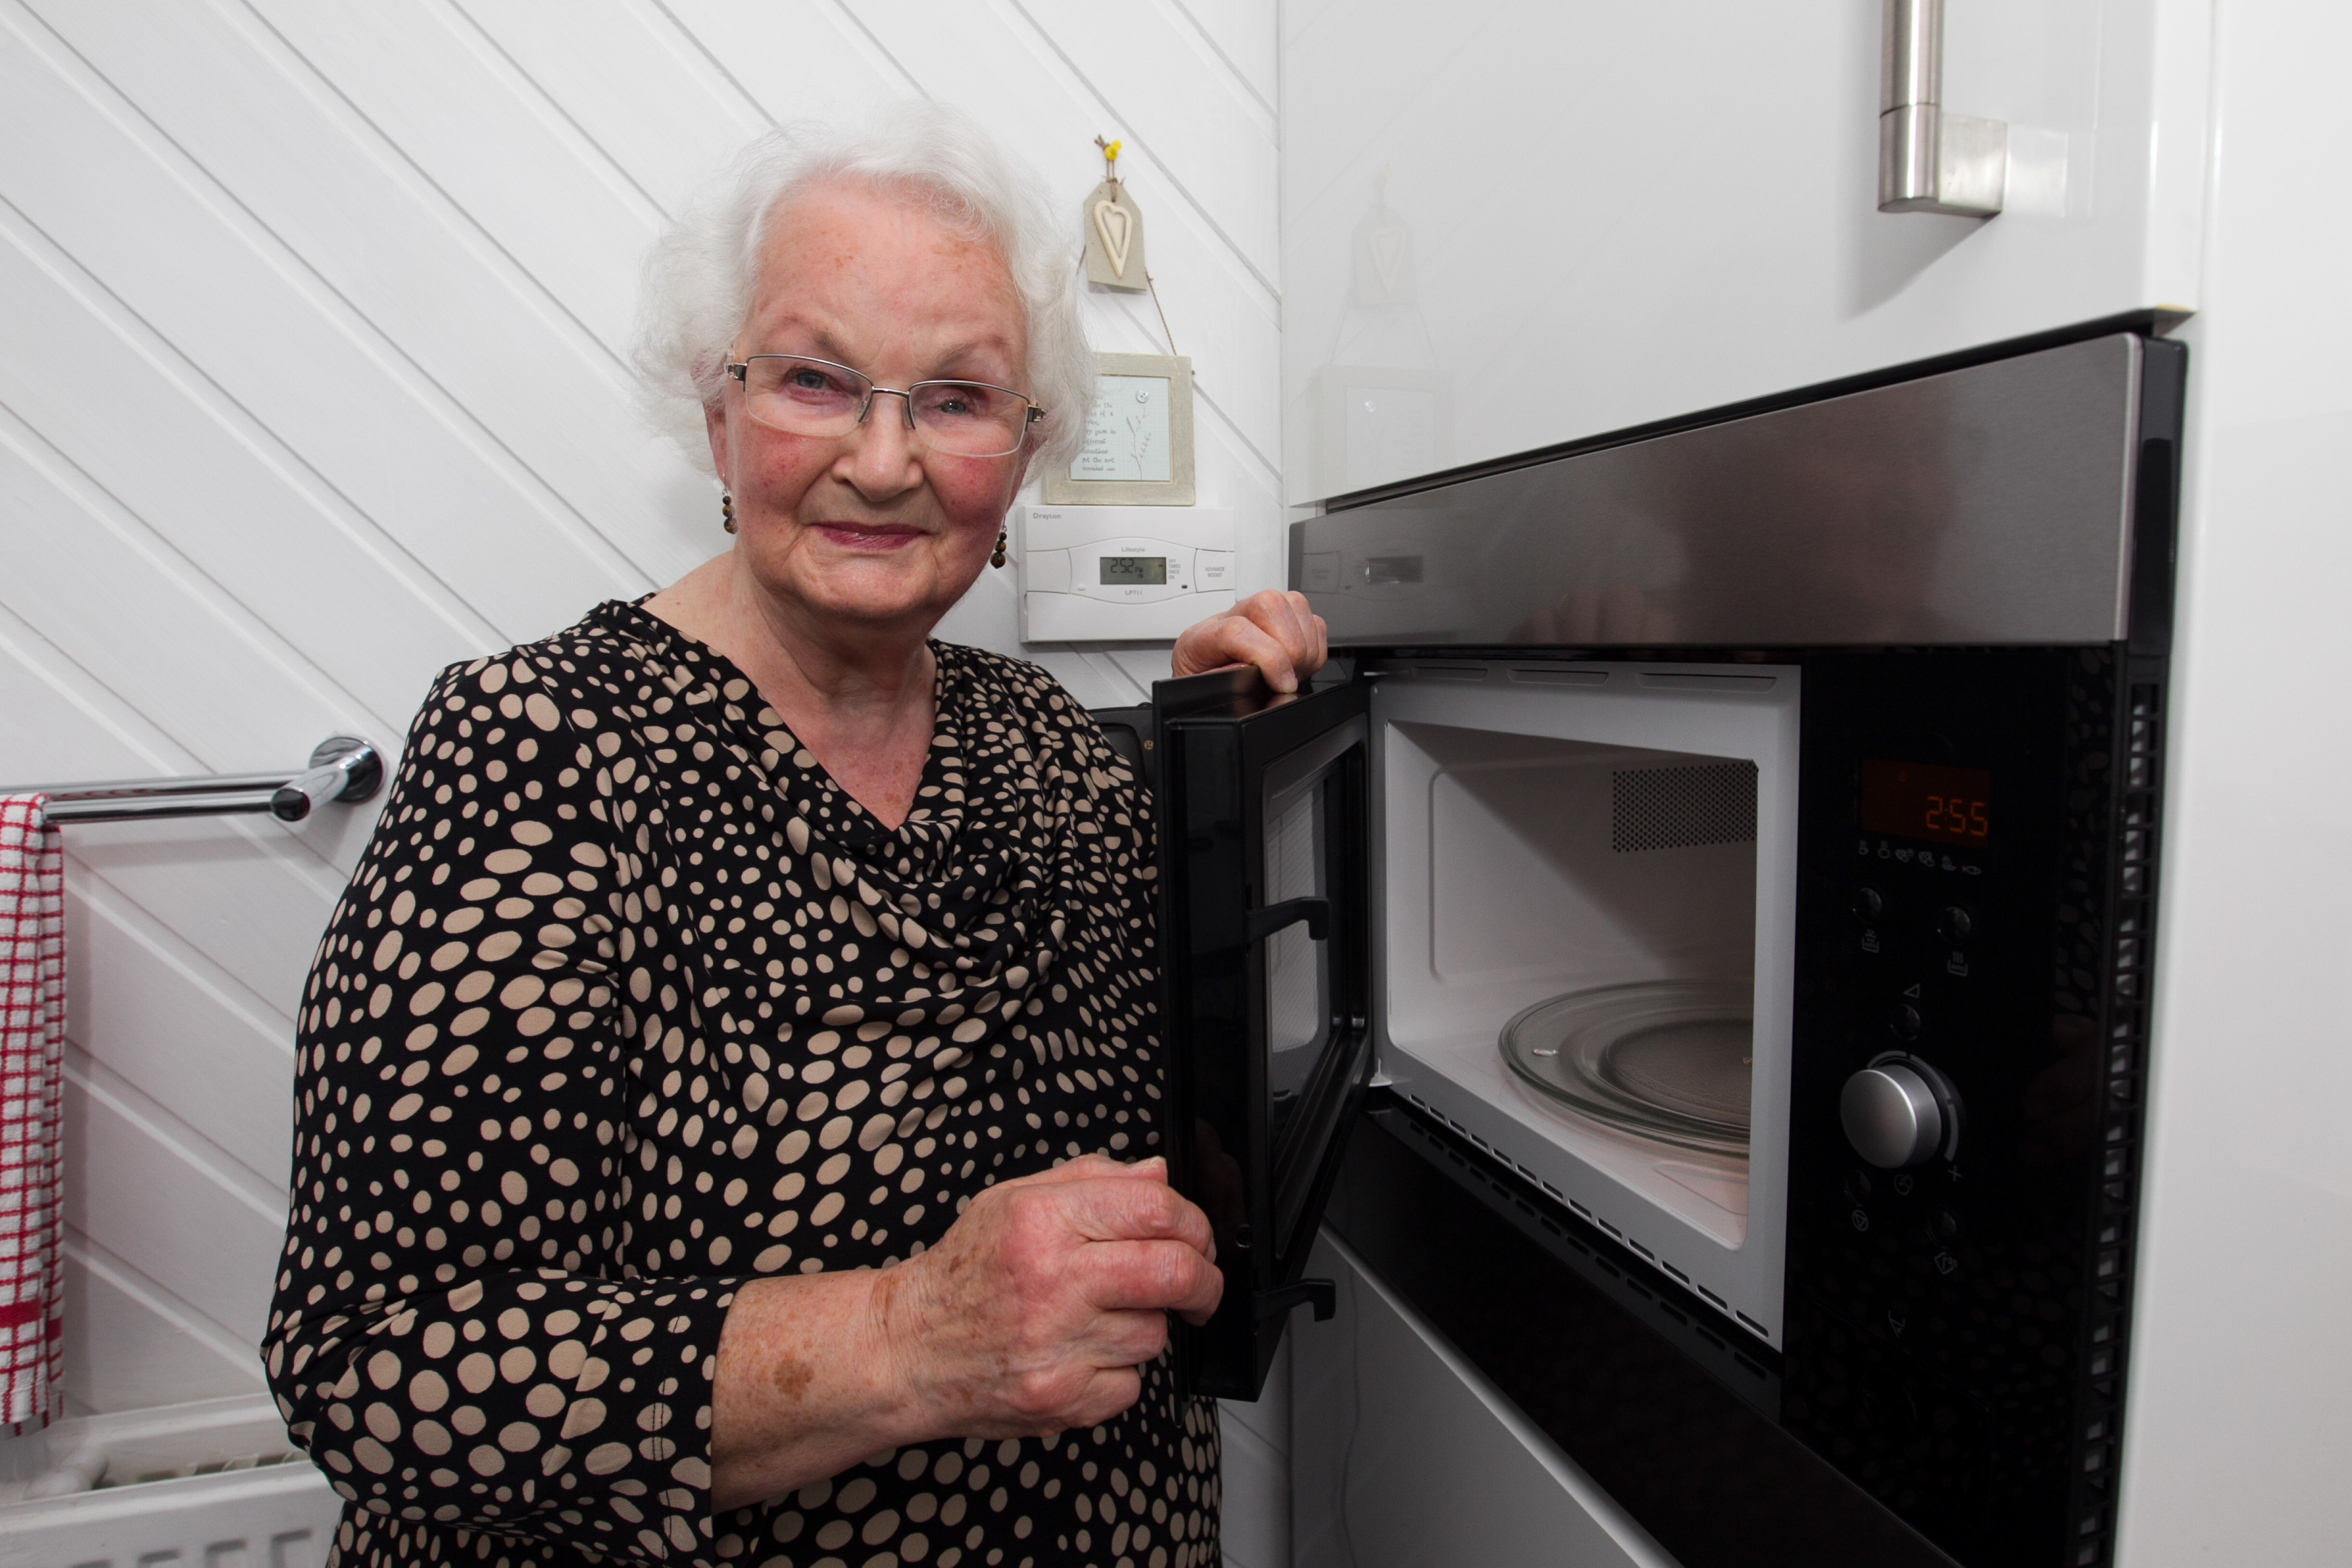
(1928, 161)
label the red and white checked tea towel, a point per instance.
(32, 1114)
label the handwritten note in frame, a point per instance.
(1139, 446)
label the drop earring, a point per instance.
(727, 512)
(998, 558)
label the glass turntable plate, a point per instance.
(1668, 1059)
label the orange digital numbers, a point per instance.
(1949, 816)
(1922, 800)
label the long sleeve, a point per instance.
(455, 1338)
(627, 1002)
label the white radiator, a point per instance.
(209, 1485)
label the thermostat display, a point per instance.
(1122, 574)
(1133, 569)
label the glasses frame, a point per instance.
(740, 372)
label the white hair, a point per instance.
(700, 274)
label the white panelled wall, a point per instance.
(313, 331)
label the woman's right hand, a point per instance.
(1037, 1308)
(1032, 1315)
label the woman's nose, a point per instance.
(879, 455)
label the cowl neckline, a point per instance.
(969, 885)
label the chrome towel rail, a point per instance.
(341, 767)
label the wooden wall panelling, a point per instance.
(457, 108)
(152, 1009)
(138, 1345)
(460, 376)
(795, 59)
(267, 537)
(151, 1193)
(646, 94)
(1245, 35)
(1203, 127)
(101, 586)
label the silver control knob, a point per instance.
(1893, 1116)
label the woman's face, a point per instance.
(871, 527)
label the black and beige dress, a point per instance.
(628, 1003)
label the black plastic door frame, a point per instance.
(1219, 740)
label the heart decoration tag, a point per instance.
(1385, 262)
(1391, 255)
(1114, 236)
(1117, 228)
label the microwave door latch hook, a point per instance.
(1319, 1294)
(1315, 913)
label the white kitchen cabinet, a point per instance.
(1508, 225)
(1403, 1455)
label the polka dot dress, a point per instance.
(628, 1003)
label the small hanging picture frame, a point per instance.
(1138, 445)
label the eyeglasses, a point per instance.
(817, 397)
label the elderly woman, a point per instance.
(718, 1086)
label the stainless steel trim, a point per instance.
(1986, 505)
(1911, 54)
(149, 808)
(341, 768)
(197, 784)
(1928, 161)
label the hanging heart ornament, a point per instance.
(1118, 230)
(1388, 250)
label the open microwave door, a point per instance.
(1265, 927)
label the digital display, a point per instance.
(1920, 800)
(1134, 571)
(1385, 568)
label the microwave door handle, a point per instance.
(1263, 923)
(1316, 915)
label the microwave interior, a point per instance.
(1583, 911)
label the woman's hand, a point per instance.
(1030, 1316)
(1035, 1309)
(1274, 631)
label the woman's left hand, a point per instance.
(1274, 631)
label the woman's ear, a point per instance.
(714, 420)
(1020, 472)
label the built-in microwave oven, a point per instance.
(1725, 858)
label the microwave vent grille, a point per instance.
(1681, 807)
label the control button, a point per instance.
(1906, 1022)
(1857, 1184)
(1046, 570)
(1955, 926)
(1868, 906)
(1891, 1116)
(1948, 1226)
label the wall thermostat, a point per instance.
(1122, 574)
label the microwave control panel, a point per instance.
(1122, 574)
(1973, 922)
